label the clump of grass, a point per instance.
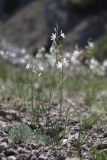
(86, 125)
(100, 51)
(3, 71)
(91, 86)
(88, 122)
(100, 155)
(21, 133)
(24, 133)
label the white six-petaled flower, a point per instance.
(39, 74)
(40, 67)
(28, 66)
(90, 45)
(62, 34)
(75, 56)
(77, 52)
(59, 65)
(94, 64)
(62, 63)
(65, 61)
(53, 36)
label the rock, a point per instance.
(34, 146)
(105, 134)
(64, 141)
(4, 139)
(11, 158)
(10, 114)
(72, 158)
(22, 150)
(22, 157)
(34, 27)
(2, 134)
(3, 124)
(60, 157)
(49, 152)
(3, 158)
(42, 157)
(36, 152)
(33, 158)
(3, 146)
(102, 145)
(10, 152)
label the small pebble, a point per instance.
(11, 158)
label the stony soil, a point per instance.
(12, 114)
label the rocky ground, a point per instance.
(11, 115)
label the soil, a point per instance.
(12, 114)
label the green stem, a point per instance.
(61, 91)
(51, 89)
(32, 96)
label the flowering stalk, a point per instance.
(61, 91)
(51, 89)
(54, 38)
(30, 66)
(32, 91)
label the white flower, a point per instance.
(62, 63)
(1, 52)
(22, 61)
(75, 61)
(90, 45)
(76, 136)
(40, 52)
(23, 50)
(42, 49)
(76, 52)
(50, 59)
(40, 67)
(28, 66)
(13, 55)
(53, 36)
(65, 62)
(68, 55)
(53, 50)
(39, 74)
(104, 64)
(62, 34)
(59, 65)
(93, 64)
(75, 56)
(64, 141)
(38, 55)
(26, 57)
